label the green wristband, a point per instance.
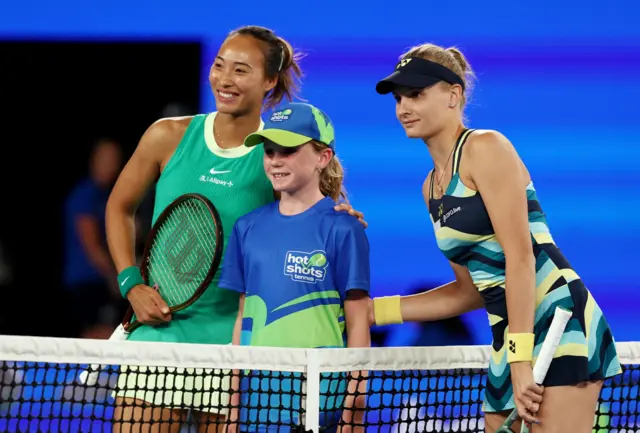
(128, 279)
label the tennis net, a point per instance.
(43, 388)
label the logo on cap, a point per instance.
(279, 116)
(403, 63)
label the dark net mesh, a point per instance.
(51, 397)
(451, 401)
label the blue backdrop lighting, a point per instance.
(560, 79)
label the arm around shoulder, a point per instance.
(450, 300)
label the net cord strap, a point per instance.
(312, 395)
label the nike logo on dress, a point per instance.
(213, 171)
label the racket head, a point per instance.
(182, 252)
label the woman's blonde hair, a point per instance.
(332, 176)
(451, 58)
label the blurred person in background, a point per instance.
(88, 273)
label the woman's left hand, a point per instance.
(347, 207)
(527, 395)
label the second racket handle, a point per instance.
(550, 344)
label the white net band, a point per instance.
(403, 389)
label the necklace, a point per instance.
(444, 169)
(218, 140)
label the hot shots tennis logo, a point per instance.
(279, 116)
(306, 267)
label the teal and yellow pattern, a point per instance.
(465, 235)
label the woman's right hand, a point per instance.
(148, 305)
(527, 395)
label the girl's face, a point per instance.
(291, 169)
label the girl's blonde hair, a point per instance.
(332, 176)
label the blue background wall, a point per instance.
(560, 79)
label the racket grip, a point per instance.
(548, 349)
(543, 362)
(119, 334)
(90, 377)
(550, 344)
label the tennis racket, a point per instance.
(549, 346)
(181, 256)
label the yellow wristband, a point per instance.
(520, 347)
(387, 310)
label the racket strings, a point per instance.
(181, 238)
(159, 264)
(185, 244)
(165, 268)
(159, 268)
(206, 230)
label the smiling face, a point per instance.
(237, 76)
(292, 169)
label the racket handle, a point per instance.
(543, 362)
(119, 334)
(550, 344)
(91, 378)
